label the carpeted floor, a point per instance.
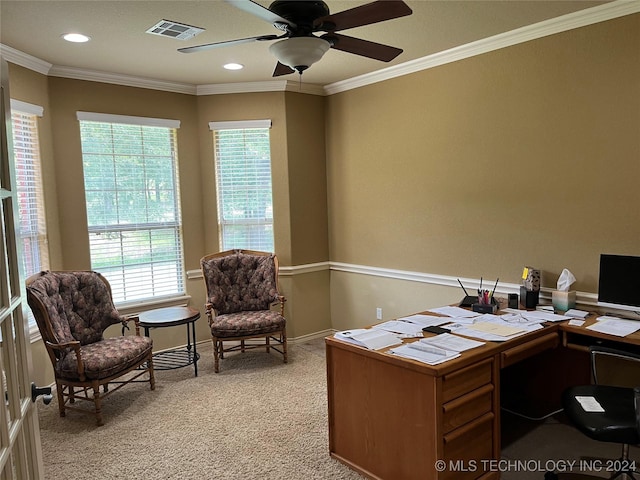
(257, 419)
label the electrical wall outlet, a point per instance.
(378, 313)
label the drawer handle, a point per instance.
(469, 397)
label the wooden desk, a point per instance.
(393, 418)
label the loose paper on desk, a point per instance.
(455, 312)
(451, 342)
(574, 313)
(496, 329)
(430, 355)
(615, 326)
(369, 338)
(406, 329)
(426, 320)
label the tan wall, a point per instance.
(529, 155)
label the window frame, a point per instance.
(138, 303)
(36, 201)
(249, 223)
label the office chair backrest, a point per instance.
(615, 367)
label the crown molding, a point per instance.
(600, 13)
(24, 60)
(252, 87)
(119, 79)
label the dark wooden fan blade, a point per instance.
(282, 69)
(373, 12)
(361, 47)
(228, 43)
(259, 11)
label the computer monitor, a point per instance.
(619, 282)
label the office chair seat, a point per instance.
(617, 424)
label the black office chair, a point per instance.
(616, 377)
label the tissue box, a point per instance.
(563, 300)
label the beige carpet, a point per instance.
(257, 419)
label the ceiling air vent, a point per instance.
(168, 28)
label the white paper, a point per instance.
(490, 337)
(589, 404)
(576, 313)
(426, 320)
(617, 327)
(369, 338)
(447, 341)
(405, 328)
(421, 356)
(455, 312)
(576, 323)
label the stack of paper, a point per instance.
(615, 326)
(435, 350)
(371, 338)
(405, 329)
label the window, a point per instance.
(132, 197)
(243, 184)
(31, 214)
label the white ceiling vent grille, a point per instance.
(168, 28)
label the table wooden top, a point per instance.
(169, 316)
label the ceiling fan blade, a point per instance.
(373, 12)
(282, 69)
(228, 43)
(261, 12)
(365, 48)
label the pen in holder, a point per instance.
(486, 302)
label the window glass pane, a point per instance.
(131, 190)
(243, 176)
(31, 215)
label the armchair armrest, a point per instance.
(75, 346)
(281, 301)
(136, 321)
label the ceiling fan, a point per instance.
(298, 47)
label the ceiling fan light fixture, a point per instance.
(299, 53)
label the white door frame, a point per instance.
(20, 447)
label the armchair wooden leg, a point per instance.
(60, 394)
(267, 342)
(97, 400)
(152, 377)
(215, 355)
(284, 346)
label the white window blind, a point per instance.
(243, 181)
(31, 212)
(133, 205)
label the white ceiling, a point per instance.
(120, 45)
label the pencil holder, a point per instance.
(484, 307)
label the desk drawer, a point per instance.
(467, 447)
(463, 409)
(466, 379)
(528, 349)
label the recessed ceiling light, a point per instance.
(233, 66)
(76, 37)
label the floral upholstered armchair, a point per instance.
(242, 287)
(72, 310)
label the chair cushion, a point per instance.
(247, 323)
(106, 358)
(240, 281)
(617, 424)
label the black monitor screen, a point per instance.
(619, 281)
